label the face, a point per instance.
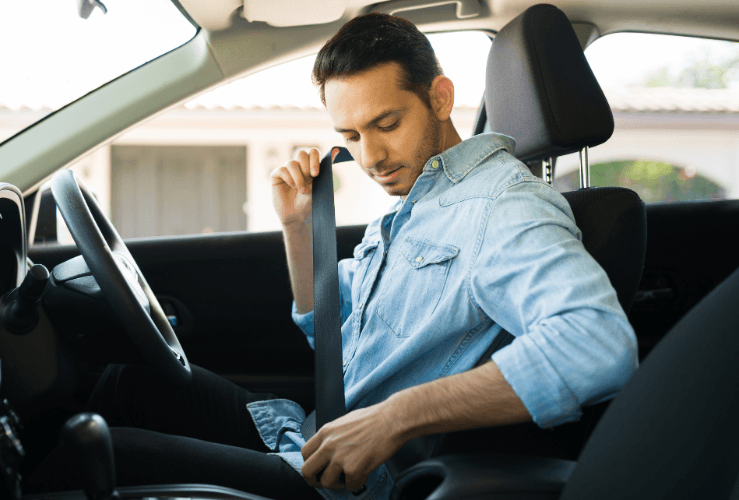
(389, 131)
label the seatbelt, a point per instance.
(329, 373)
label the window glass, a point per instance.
(51, 56)
(675, 102)
(204, 167)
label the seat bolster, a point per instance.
(484, 475)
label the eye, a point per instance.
(353, 138)
(390, 127)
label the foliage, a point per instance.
(702, 73)
(654, 181)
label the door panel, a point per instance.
(235, 289)
(691, 248)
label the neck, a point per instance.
(449, 135)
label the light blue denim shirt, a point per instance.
(479, 244)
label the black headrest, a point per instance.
(540, 89)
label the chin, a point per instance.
(396, 190)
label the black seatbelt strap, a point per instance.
(329, 374)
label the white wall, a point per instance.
(710, 145)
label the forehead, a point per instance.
(352, 99)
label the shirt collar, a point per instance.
(462, 158)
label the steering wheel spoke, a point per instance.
(121, 281)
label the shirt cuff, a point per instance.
(541, 389)
(305, 323)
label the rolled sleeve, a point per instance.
(305, 323)
(574, 345)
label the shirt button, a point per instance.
(360, 305)
(435, 164)
(419, 258)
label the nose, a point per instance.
(372, 152)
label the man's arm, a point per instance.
(362, 440)
(292, 196)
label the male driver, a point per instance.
(474, 244)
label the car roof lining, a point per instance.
(708, 18)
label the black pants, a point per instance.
(200, 434)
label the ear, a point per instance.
(442, 97)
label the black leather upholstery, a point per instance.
(613, 222)
(540, 89)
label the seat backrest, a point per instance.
(613, 222)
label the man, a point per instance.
(474, 244)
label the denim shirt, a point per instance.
(479, 244)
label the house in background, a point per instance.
(204, 167)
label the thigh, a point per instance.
(144, 457)
(210, 408)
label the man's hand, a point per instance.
(292, 186)
(355, 445)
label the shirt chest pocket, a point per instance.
(413, 285)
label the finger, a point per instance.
(315, 162)
(354, 481)
(311, 446)
(313, 466)
(334, 152)
(281, 175)
(330, 476)
(297, 175)
(303, 158)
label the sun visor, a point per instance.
(283, 13)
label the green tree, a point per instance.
(653, 181)
(702, 73)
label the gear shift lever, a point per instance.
(86, 438)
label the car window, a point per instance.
(675, 102)
(52, 56)
(204, 167)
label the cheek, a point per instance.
(354, 150)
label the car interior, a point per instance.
(69, 310)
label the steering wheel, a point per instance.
(120, 279)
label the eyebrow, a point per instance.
(373, 121)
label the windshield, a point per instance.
(51, 56)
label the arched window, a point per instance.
(653, 181)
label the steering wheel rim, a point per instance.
(98, 242)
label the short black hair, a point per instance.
(373, 39)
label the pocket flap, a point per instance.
(420, 253)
